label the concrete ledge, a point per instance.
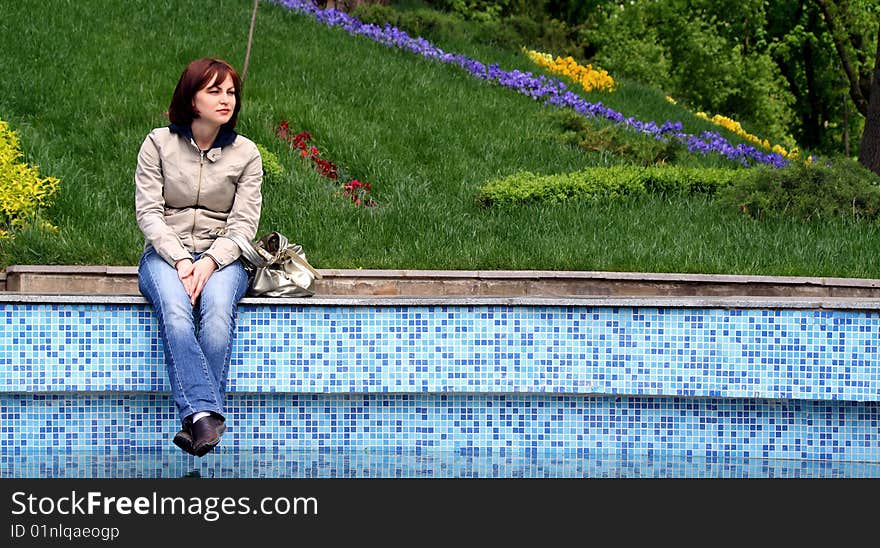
(122, 280)
(783, 303)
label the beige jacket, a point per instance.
(182, 193)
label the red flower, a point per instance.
(283, 129)
(354, 189)
(300, 139)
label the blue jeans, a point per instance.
(197, 339)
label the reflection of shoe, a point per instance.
(183, 439)
(206, 434)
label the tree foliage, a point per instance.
(800, 70)
(700, 54)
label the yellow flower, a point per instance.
(735, 127)
(588, 77)
(48, 227)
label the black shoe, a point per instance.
(206, 434)
(183, 439)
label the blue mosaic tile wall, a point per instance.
(801, 354)
(470, 380)
(172, 463)
(466, 424)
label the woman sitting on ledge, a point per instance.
(192, 177)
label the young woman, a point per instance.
(194, 176)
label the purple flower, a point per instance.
(550, 90)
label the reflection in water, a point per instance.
(377, 464)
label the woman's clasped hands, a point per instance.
(194, 275)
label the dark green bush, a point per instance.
(429, 24)
(821, 190)
(604, 183)
(597, 136)
(377, 14)
(510, 33)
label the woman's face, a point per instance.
(215, 102)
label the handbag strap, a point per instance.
(253, 257)
(248, 251)
(305, 264)
(284, 246)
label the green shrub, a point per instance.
(510, 33)
(376, 14)
(630, 48)
(272, 168)
(821, 190)
(600, 136)
(427, 23)
(604, 183)
(687, 180)
(22, 191)
(477, 10)
(691, 55)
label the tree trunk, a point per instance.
(812, 129)
(855, 91)
(869, 151)
(845, 103)
(247, 55)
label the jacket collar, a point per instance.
(224, 138)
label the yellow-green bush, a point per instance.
(272, 168)
(612, 183)
(22, 191)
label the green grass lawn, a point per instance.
(84, 82)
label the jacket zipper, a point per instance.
(198, 192)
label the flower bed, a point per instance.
(550, 90)
(357, 191)
(591, 79)
(735, 127)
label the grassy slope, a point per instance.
(85, 81)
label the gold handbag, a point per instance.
(277, 268)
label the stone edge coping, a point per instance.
(818, 303)
(74, 270)
(101, 392)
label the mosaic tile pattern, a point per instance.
(791, 354)
(489, 383)
(478, 424)
(171, 463)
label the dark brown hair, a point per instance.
(197, 75)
